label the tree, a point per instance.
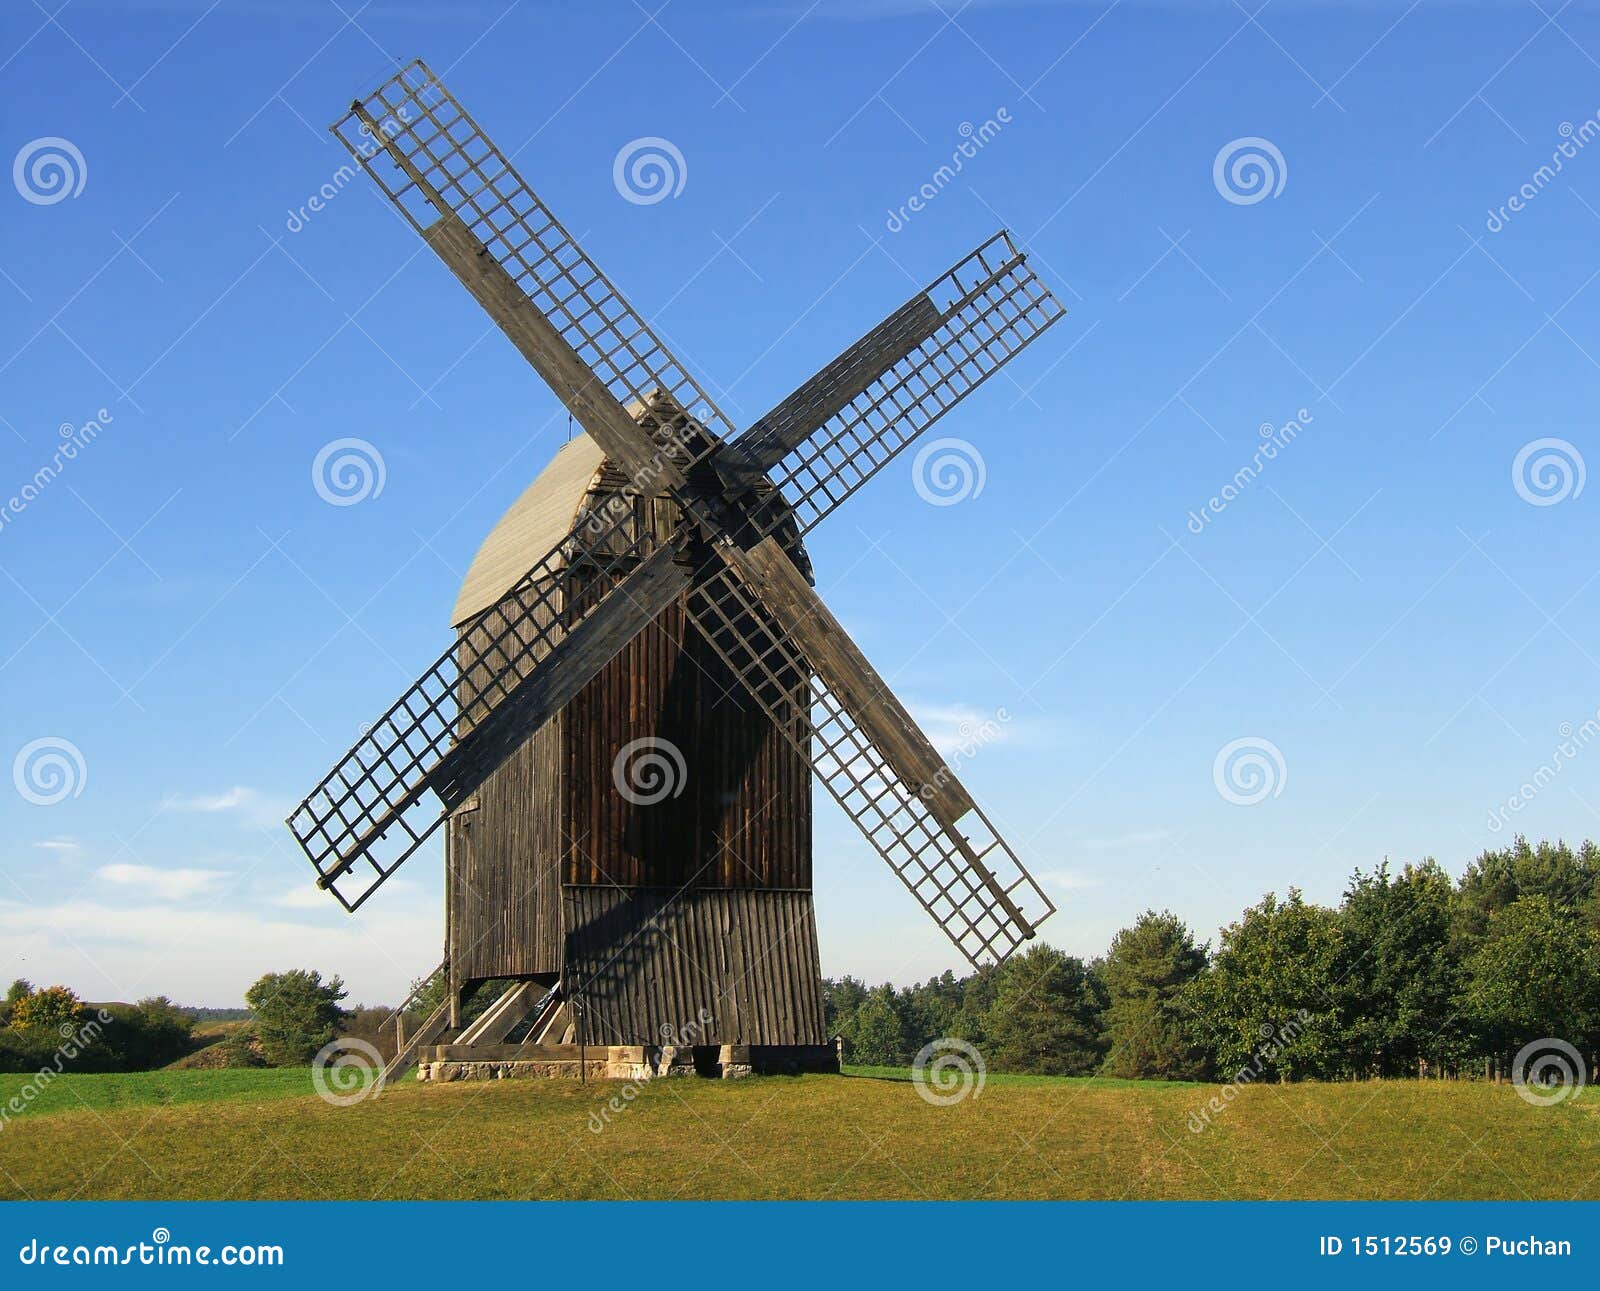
(164, 1033)
(840, 1000)
(1045, 1015)
(1496, 879)
(55, 1008)
(430, 993)
(1269, 1004)
(1535, 974)
(932, 1009)
(18, 991)
(875, 1035)
(1149, 1027)
(1397, 976)
(295, 1014)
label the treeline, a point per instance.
(290, 1016)
(1411, 972)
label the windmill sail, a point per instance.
(871, 756)
(962, 329)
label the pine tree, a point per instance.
(295, 1014)
(1045, 1017)
(1149, 1027)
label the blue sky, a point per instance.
(1380, 602)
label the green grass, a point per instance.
(95, 1092)
(262, 1134)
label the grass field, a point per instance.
(246, 1134)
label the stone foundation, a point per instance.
(448, 1062)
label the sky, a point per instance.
(1187, 670)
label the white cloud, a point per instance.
(959, 728)
(304, 896)
(228, 800)
(209, 954)
(252, 806)
(62, 846)
(169, 885)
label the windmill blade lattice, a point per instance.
(972, 884)
(369, 813)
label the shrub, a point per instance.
(296, 1013)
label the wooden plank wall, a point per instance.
(503, 873)
(743, 818)
(644, 958)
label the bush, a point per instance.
(142, 1036)
(296, 1013)
(242, 1049)
(27, 1050)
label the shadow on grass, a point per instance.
(1019, 1081)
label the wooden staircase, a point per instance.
(434, 1027)
(432, 1031)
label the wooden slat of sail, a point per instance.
(887, 778)
(769, 440)
(991, 306)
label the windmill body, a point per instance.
(644, 686)
(650, 845)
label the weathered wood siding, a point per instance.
(741, 813)
(502, 878)
(503, 882)
(641, 959)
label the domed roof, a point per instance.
(531, 526)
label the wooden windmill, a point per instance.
(644, 683)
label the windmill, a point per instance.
(649, 597)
